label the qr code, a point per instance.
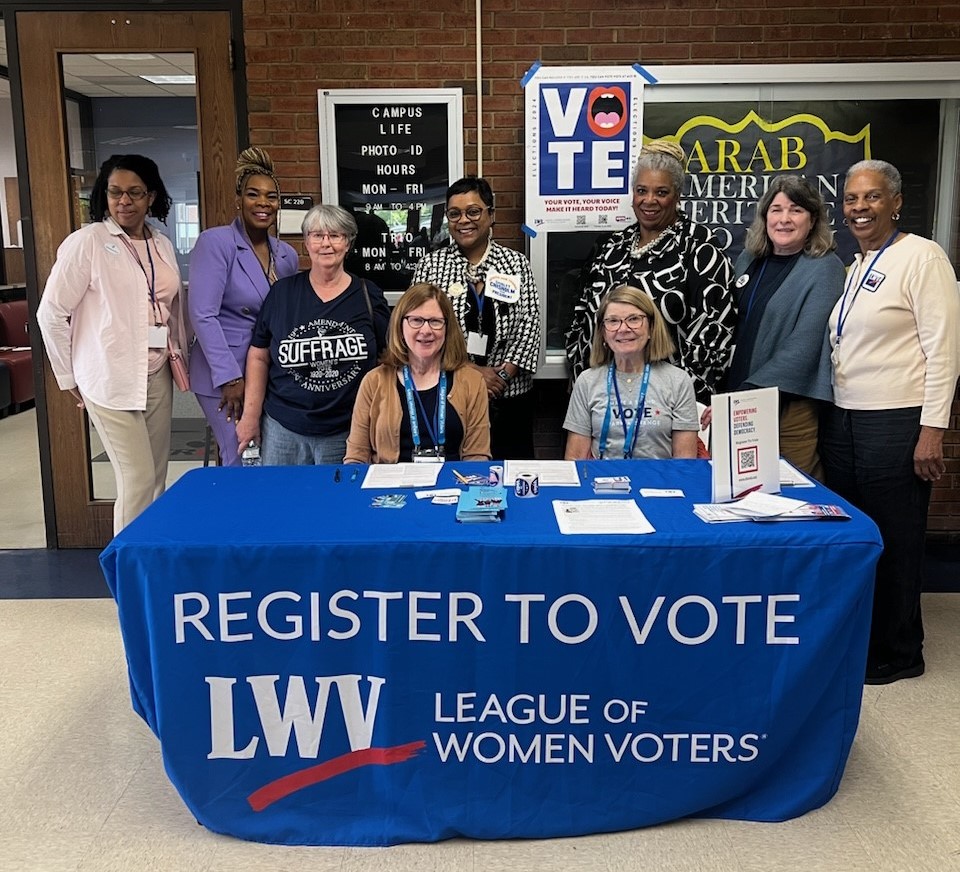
(581, 220)
(602, 219)
(747, 460)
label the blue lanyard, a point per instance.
(437, 432)
(755, 286)
(841, 319)
(479, 298)
(629, 433)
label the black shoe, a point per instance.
(887, 673)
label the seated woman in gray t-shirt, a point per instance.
(631, 403)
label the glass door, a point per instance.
(96, 84)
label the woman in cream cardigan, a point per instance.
(423, 403)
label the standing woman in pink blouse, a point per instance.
(109, 315)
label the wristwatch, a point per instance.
(504, 375)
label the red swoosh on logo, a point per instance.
(281, 787)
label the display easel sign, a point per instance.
(746, 443)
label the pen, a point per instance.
(336, 475)
(459, 477)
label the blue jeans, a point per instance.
(282, 447)
(868, 459)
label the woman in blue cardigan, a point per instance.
(787, 281)
(231, 269)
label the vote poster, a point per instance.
(584, 128)
(388, 157)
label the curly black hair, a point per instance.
(148, 172)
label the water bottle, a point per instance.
(251, 455)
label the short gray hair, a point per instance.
(884, 168)
(329, 219)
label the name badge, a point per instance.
(504, 288)
(477, 344)
(157, 336)
(873, 281)
(428, 455)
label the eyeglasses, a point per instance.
(416, 322)
(633, 322)
(135, 194)
(473, 213)
(320, 235)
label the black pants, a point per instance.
(511, 427)
(868, 459)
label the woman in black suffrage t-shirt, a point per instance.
(318, 333)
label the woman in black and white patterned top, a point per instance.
(495, 299)
(675, 262)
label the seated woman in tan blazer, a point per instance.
(423, 403)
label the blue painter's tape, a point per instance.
(529, 74)
(646, 74)
(528, 230)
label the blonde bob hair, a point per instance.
(453, 355)
(659, 347)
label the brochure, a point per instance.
(746, 443)
(477, 505)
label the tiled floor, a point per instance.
(20, 474)
(82, 787)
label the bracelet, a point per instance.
(232, 382)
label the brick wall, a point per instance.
(295, 46)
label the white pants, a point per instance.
(138, 445)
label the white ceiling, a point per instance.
(111, 74)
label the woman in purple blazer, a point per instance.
(231, 270)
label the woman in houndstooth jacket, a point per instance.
(495, 299)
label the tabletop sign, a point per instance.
(388, 157)
(293, 209)
(746, 443)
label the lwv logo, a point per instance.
(306, 724)
(296, 715)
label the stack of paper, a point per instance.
(479, 505)
(610, 484)
(593, 517)
(811, 512)
(753, 507)
(552, 473)
(792, 477)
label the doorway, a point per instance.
(58, 48)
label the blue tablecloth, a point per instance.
(319, 671)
